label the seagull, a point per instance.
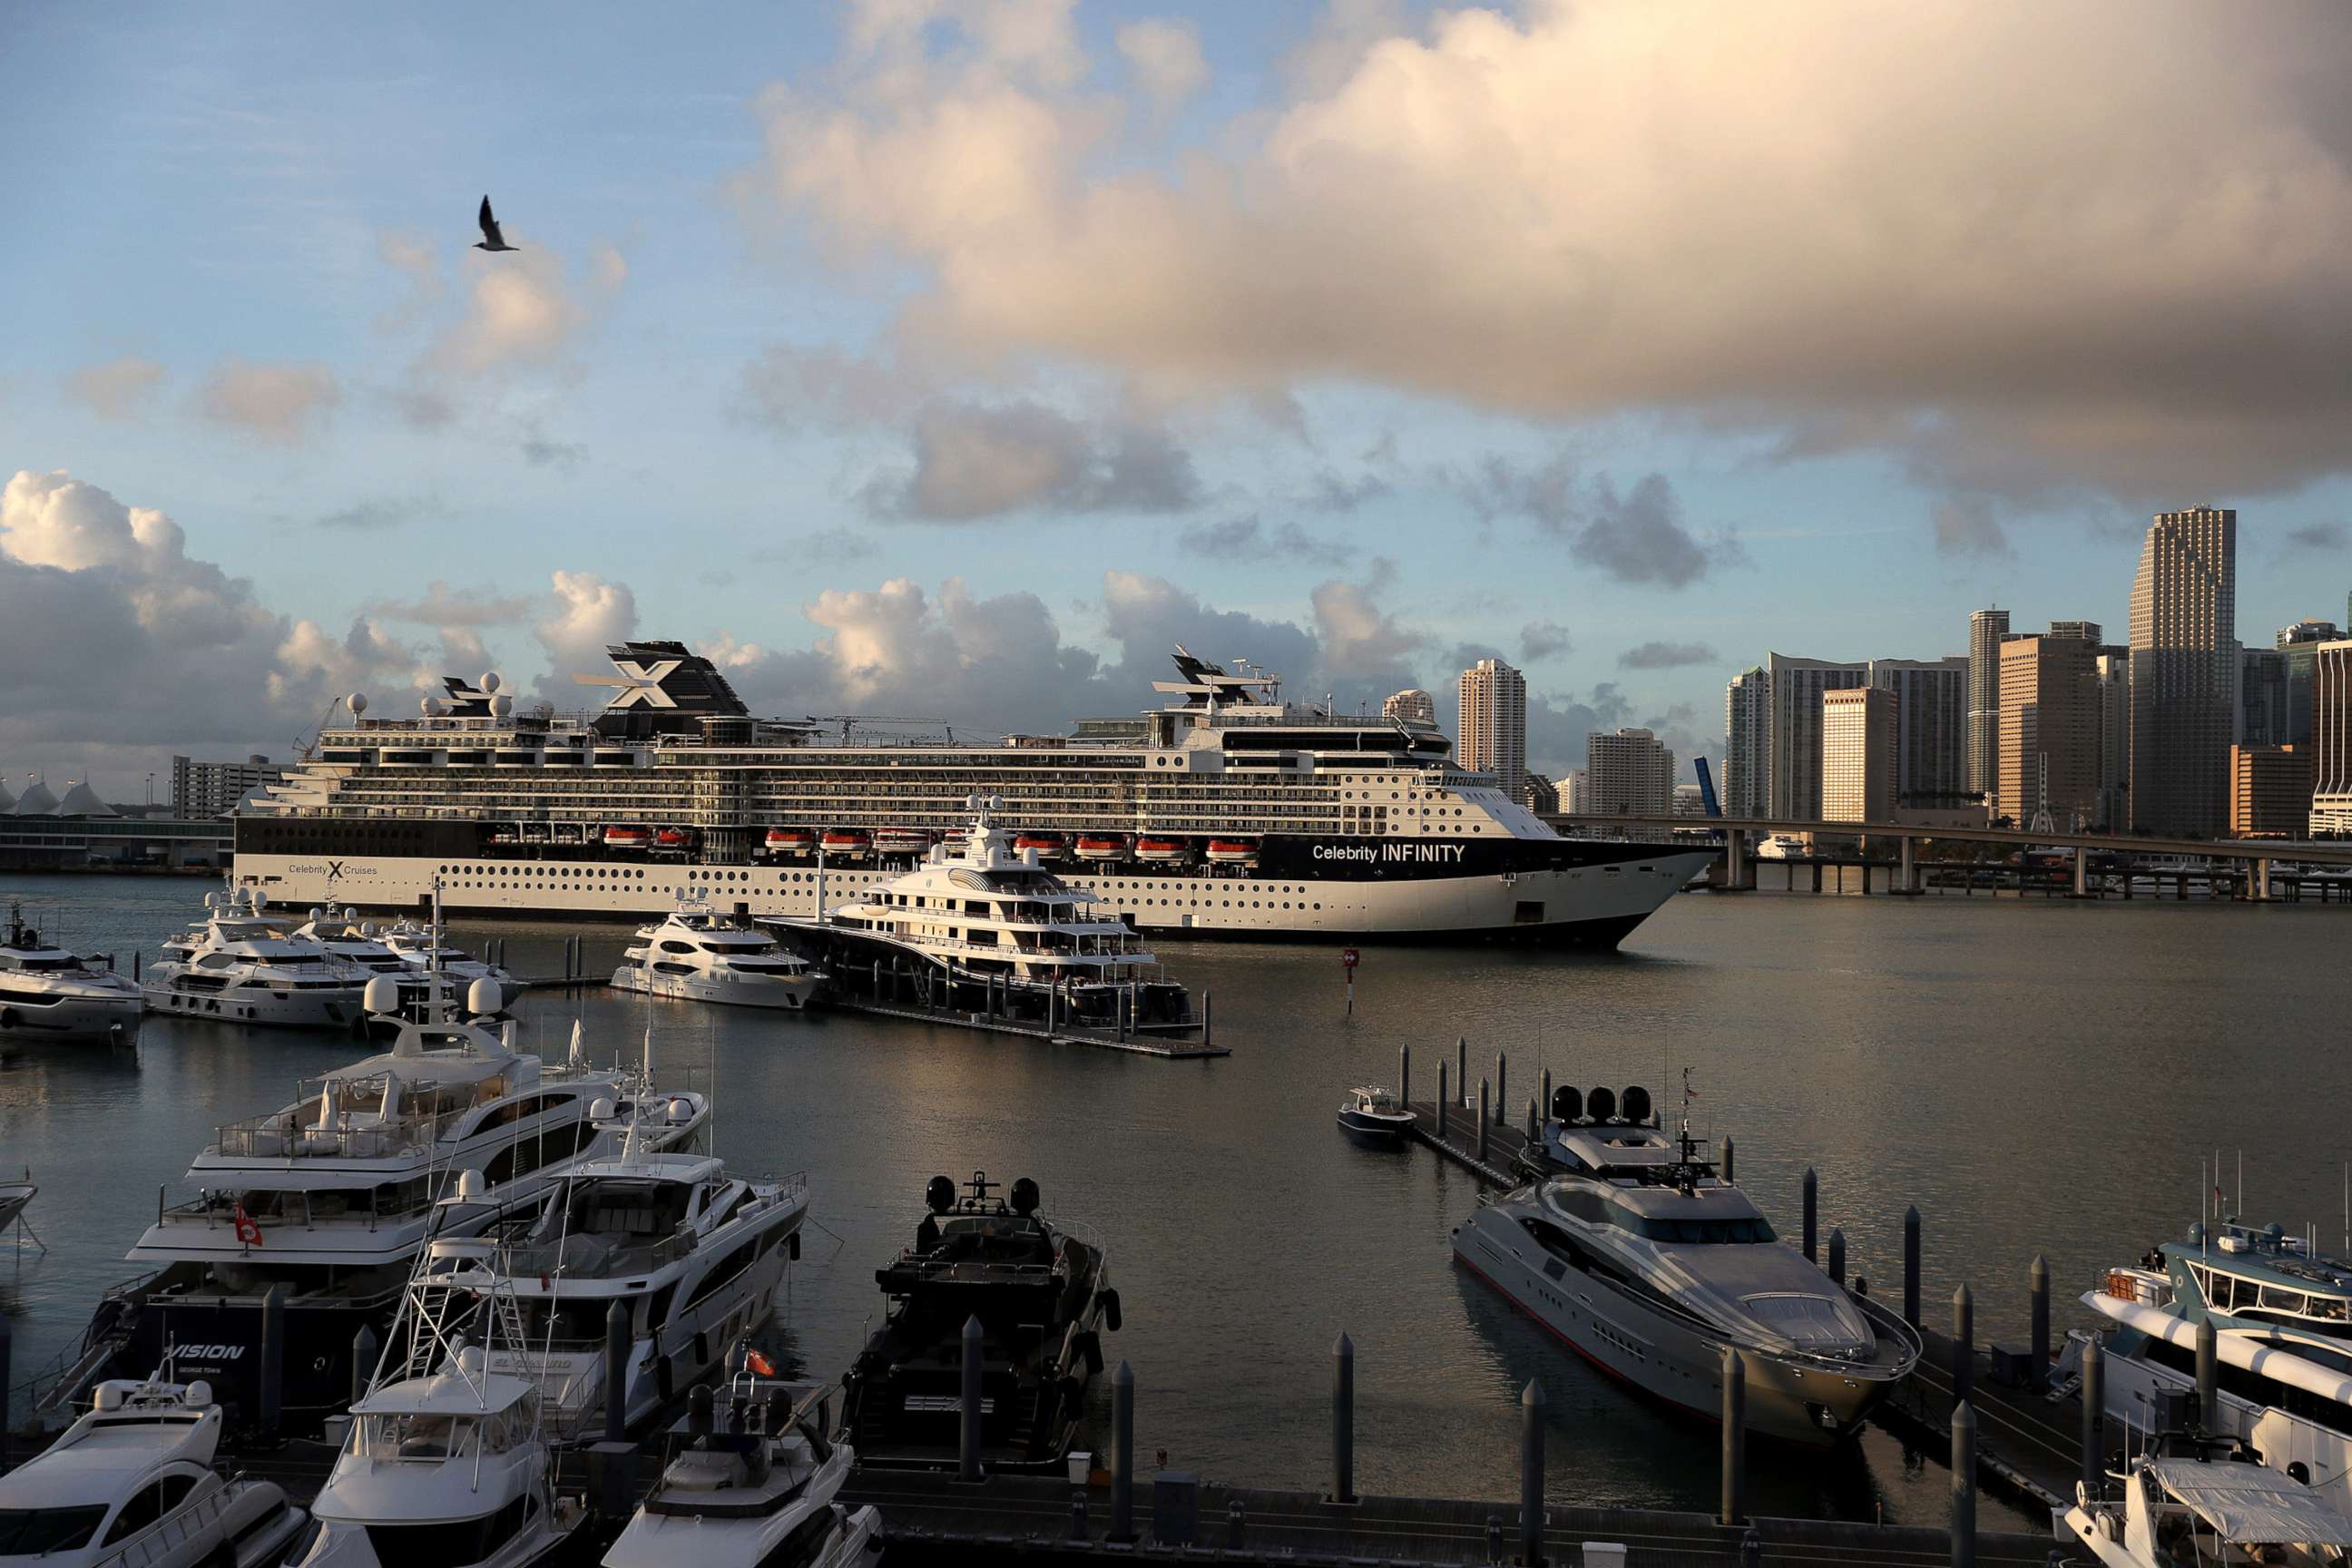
(491, 238)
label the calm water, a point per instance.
(2036, 1077)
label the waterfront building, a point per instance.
(1795, 746)
(1542, 796)
(2112, 667)
(1747, 727)
(1986, 628)
(2298, 645)
(1576, 791)
(1413, 706)
(2049, 730)
(2081, 631)
(2270, 791)
(1689, 800)
(213, 789)
(2184, 672)
(1631, 773)
(1931, 705)
(2263, 718)
(2331, 737)
(1494, 723)
(1859, 732)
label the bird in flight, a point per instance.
(491, 238)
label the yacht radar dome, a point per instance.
(1024, 1196)
(483, 997)
(358, 700)
(470, 1184)
(603, 1110)
(380, 995)
(1634, 1103)
(1603, 1104)
(940, 1194)
(1568, 1103)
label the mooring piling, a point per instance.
(1343, 1419)
(1735, 1437)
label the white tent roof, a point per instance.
(7, 800)
(2252, 1504)
(35, 801)
(82, 801)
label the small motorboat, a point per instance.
(1233, 851)
(1101, 847)
(131, 1482)
(13, 1198)
(1158, 851)
(1373, 1114)
(627, 838)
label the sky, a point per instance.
(954, 360)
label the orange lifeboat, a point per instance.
(627, 838)
(1101, 847)
(901, 841)
(790, 841)
(1048, 846)
(1158, 850)
(674, 838)
(846, 841)
(1233, 851)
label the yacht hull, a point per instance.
(1665, 1357)
(788, 994)
(255, 1008)
(69, 1017)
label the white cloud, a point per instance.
(979, 459)
(1166, 59)
(117, 388)
(1986, 236)
(282, 403)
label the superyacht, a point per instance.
(242, 966)
(1648, 1264)
(1230, 811)
(45, 990)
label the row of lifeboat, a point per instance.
(662, 840)
(1098, 847)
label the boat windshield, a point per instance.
(1694, 1232)
(35, 1532)
(416, 1435)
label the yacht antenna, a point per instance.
(2242, 1181)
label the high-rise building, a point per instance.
(1494, 723)
(2299, 644)
(2113, 667)
(2263, 717)
(2049, 730)
(2081, 631)
(1986, 628)
(2184, 672)
(1576, 791)
(2270, 791)
(1629, 773)
(1412, 705)
(1689, 800)
(204, 790)
(1859, 744)
(1794, 745)
(1542, 796)
(1748, 730)
(2331, 737)
(1931, 707)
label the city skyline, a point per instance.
(748, 383)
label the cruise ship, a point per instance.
(1229, 811)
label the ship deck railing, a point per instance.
(285, 1136)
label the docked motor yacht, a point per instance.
(447, 1460)
(759, 1494)
(46, 991)
(1040, 1291)
(982, 925)
(131, 1482)
(2205, 1500)
(1374, 1115)
(696, 956)
(1648, 1264)
(422, 947)
(331, 1197)
(695, 1254)
(242, 966)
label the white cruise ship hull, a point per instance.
(1595, 894)
(1665, 1357)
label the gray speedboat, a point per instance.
(1650, 1265)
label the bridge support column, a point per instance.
(2082, 872)
(2258, 888)
(1909, 883)
(1739, 870)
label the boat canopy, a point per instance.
(2252, 1505)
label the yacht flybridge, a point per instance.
(2204, 1501)
(242, 966)
(330, 1199)
(979, 924)
(46, 991)
(1234, 809)
(698, 956)
(1634, 1250)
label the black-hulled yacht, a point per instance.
(1040, 1291)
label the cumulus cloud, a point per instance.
(1361, 642)
(522, 310)
(282, 403)
(1665, 655)
(1247, 539)
(979, 460)
(116, 389)
(1636, 536)
(585, 613)
(1540, 640)
(1990, 228)
(1166, 59)
(442, 606)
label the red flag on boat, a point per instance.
(760, 1363)
(248, 1229)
